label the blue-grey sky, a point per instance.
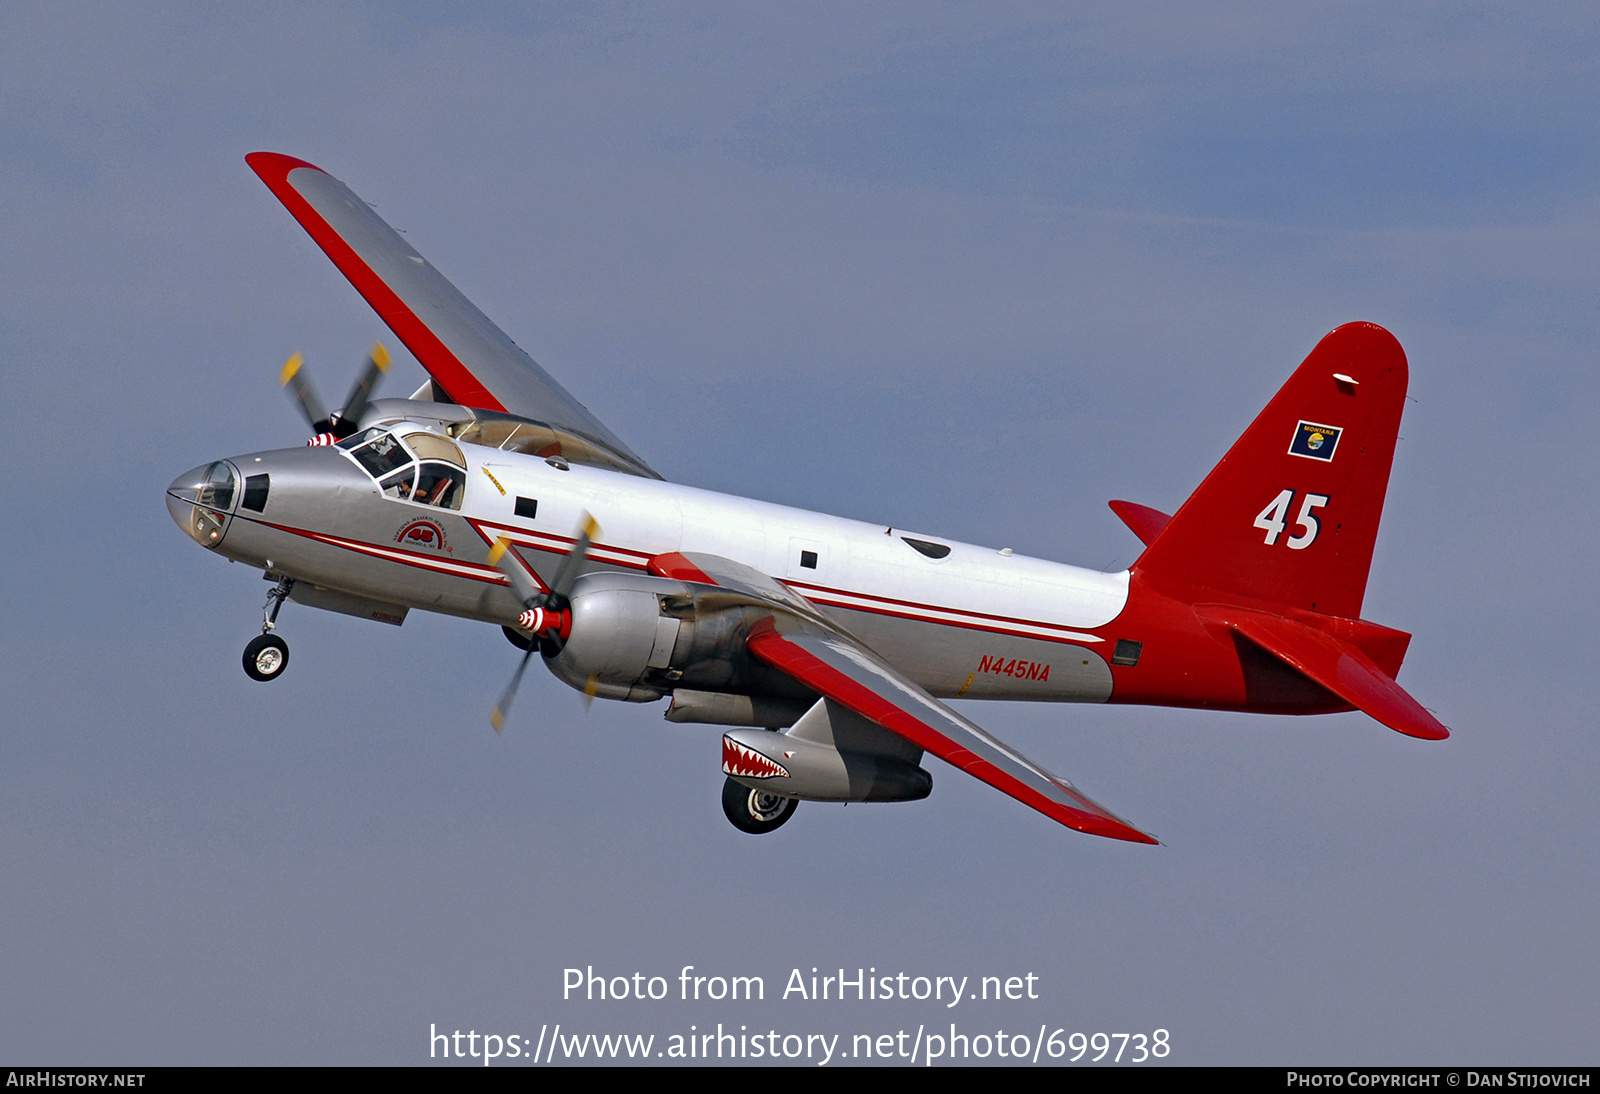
(973, 270)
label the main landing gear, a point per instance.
(755, 811)
(267, 655)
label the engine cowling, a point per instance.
(636, 637)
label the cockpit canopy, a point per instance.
(411, 464)
(496, 429)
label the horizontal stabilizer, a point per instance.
(1342, 669)
(1145, 521)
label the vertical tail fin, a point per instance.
(1291, 513)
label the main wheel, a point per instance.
(755, 811)
(266, 657)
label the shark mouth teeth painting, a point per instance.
(746, 763)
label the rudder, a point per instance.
(1290, 515)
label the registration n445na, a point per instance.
(827, 649)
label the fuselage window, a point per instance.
(932, 550)
(255, 492)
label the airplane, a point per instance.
(827, 648)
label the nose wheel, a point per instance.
(755, 811)
(267, 655)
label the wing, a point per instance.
(470, 359)
(805, 646)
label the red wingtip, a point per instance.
(275, 166)
(440, 361)
(1092, 825)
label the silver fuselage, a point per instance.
(976, 623)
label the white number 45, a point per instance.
(1273, 519)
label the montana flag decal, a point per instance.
(1314, 442)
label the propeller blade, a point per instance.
(503, 558)
(497, 716)
(356, 405)
(301, 391)
(567, 575)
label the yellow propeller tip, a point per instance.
(592, 686)
(380, 356)
(591, 527)
(498, 550)
(290, 367)
(496, 719)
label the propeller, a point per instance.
(546, 614)
(339, 423)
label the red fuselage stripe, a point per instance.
(826, 591)
(471, 570)
(903, 609)
(492, 576)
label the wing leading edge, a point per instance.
(808, 648)
(470, 358)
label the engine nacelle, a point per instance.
(830, 755)
(723, 708)
(636, 637)
(618, 633)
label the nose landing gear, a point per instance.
(267, 655)
(755, 811)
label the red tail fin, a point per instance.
(1291, 513)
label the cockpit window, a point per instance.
(357, 439)
(431, 446)
(420, 471)
(400, 485)
(440, 485)
(381, 455)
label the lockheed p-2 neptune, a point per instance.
(826, 647)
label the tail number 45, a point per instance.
(1274, 518)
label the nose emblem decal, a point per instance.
(422, 533)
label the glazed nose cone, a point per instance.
(184, 491)
(178, 507)
(200, 500)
